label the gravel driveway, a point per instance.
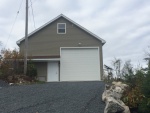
(60, 97)
(3, 84)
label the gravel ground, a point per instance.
(60, 97)
(3, 84)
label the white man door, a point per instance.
(53, 71)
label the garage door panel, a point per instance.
(82, 78)
(79, 64)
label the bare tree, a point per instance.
(147, 58)
(127, 68)
(109, 72)
(147, 52)
(0, 50)
(117, 67)
(0, 43)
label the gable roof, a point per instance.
(59, 16)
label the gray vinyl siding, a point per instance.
(41, 70)
(47, 42)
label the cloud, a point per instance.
(124, 24)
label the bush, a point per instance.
(133, 97)
(31, 70)
(10, 63)
(139, 95)
(144, 106)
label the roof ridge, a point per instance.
(62, 15)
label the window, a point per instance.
(61, 28)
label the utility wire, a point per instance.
(30, 19)
(32, 14)
(13, 24)
(32, 2)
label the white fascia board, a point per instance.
(103, 41)
(61, 15)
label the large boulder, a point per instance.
(113, 106)
(112, 95)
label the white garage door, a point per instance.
(79, 64)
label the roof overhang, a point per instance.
(61, 15)
(37, 60)
(45, 60)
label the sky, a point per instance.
(123, 24)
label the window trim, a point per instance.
(58, 29)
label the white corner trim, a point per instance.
(47, 73)
(99, 62)
(92, 53)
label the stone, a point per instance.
(113, 108)
(11, 84)
(106, 94)
(120, 84)
(112, 95)
(107, 87)
(127, 110)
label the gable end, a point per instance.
(61, 15)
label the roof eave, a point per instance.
(18, 42)
(61, 15)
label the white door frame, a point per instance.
(96, 47)
(53, 71)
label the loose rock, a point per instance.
(111, 96)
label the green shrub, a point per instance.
(31, 70)
(133, 97)
(144, 106)
(10, 63)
